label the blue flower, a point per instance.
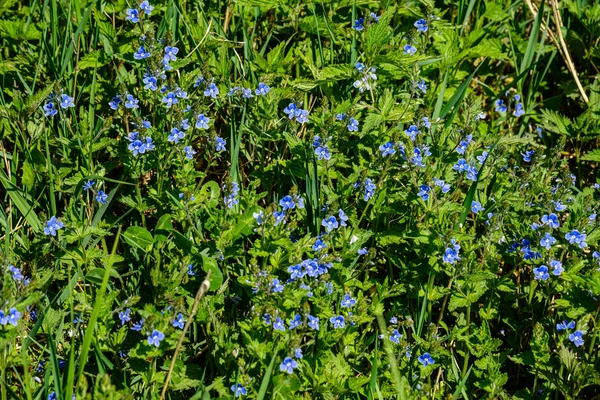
(298, 353)
(132, 15)
(179, 321)
(412, 132)
(258, 216)
(276, 286)
(66, 101)
(169, 99)
(287, 203)
(190, 270)
(313, 322)
(150, 82)
(547, 241)
(422, 86)
(360, 67)
(353, 125)
(451, 255)
(426, 123)
(424, 192)
(563, 326)
(551, 220)
(575, 237)
(527, 155)
(16, 273)
(170, 54)
(476, 207)
(421, 25)
(199, 81)
(577, 338)
(238, 390)
(519, 111)
(279, 217)
(138, 325)
(247, 93)
(396, 336)
(302, 116)
(358, 24)
(189, 152)
(338, 322)
(387, 149)
(558, 206)
(155, 338)
(211, 91)
(500, 107)
(393, 320)
(541, 273)
(182, 94)
(141, 53)
(52, 226)
(52, 396)
(288, 365)
(557, 267)
(202, 122)
(363, 251)
(426, 359)
(445, 186)
(131, 102)
(374, 16)
(295, 322)
(343, 217)
(472, 173)
(291, 110)
(125, 316)
(322, 152)
(278, 325)
(220, 144)
(369, 189)
(101, 197)
(319, 245)
(262, 89)
(146, 7)
(348, 301)
(88, 185)
(330, 223)
(409, 49)
(49, 109)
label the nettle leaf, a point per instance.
(462, 298)
(94, 59)
(593, 155)
(138, 237)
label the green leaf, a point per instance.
(138, 237)
(216, 276)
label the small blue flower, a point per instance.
(363, 251)
(238, 390)
(155, 338)
(387, 149)
(125, 316)
(287, 203)
(348, 301)
(557, 267)
(322, 152)
(576, 237)
(220, 144)
(313, 322)
(189, 152)
(421, 25)
(338, 322)
(138, 325)
(132, 15)
(131, 102)
(202, 122)
(278, 325)
(547, 241)
(170, 99)
(330, 223)
(141, 53)
(343, 217)
(558, 206)
(298, 353)
(276, 286)
(451, 255)
(527, 155)
(353, 125)
(369, 189)
(146, 7)
(481, 158)
(211, 91)
(259, 216)
(175, 135)
(409, 49)
(541, 273)
(279, 217)
(360, 67)
(577, 338)
(170, 54)
(288, 365)
(190, 270)
(319, 245)
(396, 336)
(426, 359)
(424, 192)
(49, 109)
(295, 322)
(445, 186)
(519, 111)
(422, 86)
(101, 197)
(16, 273)
(52, 226)
(247, 93)
(302, 116)
(563, 326)
(393, 320)
(412, 132)
(359, 24)
(150, 82)
(199, 81)
(476, 207)
(88, 185)
(374, 16)
(500, 106)
(551, 220)
(66, 101)
(179, 321)
(262, 89)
